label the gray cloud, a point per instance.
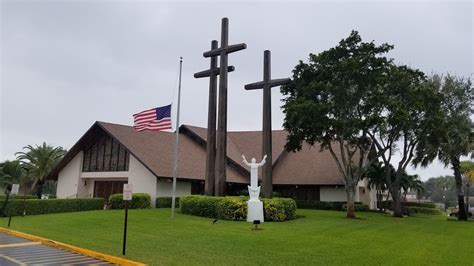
(65, 65)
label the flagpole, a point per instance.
(176, 142)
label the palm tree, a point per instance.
(452, 138)
(411, 183)
(40, 160)
(376, 179)
(467, 168)
(11, 172)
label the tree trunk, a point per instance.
(39, 188)
(350, 191)
(380, 200)
(468, 184)
(397, 203)
(462, 215)
(24, 201)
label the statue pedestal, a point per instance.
(254, 211)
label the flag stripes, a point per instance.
(153, 119)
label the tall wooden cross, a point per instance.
(221, 149)
(266, 85)
(212, 73)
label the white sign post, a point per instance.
(127, 196)
(127, 192)
(15, 189)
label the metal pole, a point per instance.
(176, 142)
(11, 211)
(125, 228)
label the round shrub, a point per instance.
(199, 205)
(235, 208)
(139, 201)
(231, 209)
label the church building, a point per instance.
(110, 155)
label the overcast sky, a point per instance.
(66, 64)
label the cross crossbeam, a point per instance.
(213, 71)
(266, 85)
(271, 83)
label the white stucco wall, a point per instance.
(68, 178)
(142, 180)
(164, 188)
(332, 194)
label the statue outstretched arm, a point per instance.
(245, 160)
(263, 160)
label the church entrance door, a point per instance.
(103, 189)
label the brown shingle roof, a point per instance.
(155, 150)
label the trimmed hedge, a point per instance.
(39, 206)
(3, 197)
(429, 205)
(326, 205)
(429, 211)
(279, 209)
(139, 201)
(165, 202)
(235, 208)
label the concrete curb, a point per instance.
(83, 251)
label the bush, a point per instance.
(323, 205)
(235, 208)
(139, 201)
(429, 205)
(3, 197)
(279, 209)
(231, 208)
(199, 205)
(165, 202)
(245, 192)
(39, 206)
(422, 210)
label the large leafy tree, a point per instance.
(452, 137)
(329, 102)
(11, 173)
(40, 160)
(408, 110)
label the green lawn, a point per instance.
(318, 237)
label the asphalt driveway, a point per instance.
(19, 251)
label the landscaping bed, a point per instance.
(235, 208)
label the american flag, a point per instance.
(153, 119)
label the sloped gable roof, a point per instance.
(154, 149)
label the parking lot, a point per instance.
(19, 251)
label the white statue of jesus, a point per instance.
(255, 206)
(254, 170)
